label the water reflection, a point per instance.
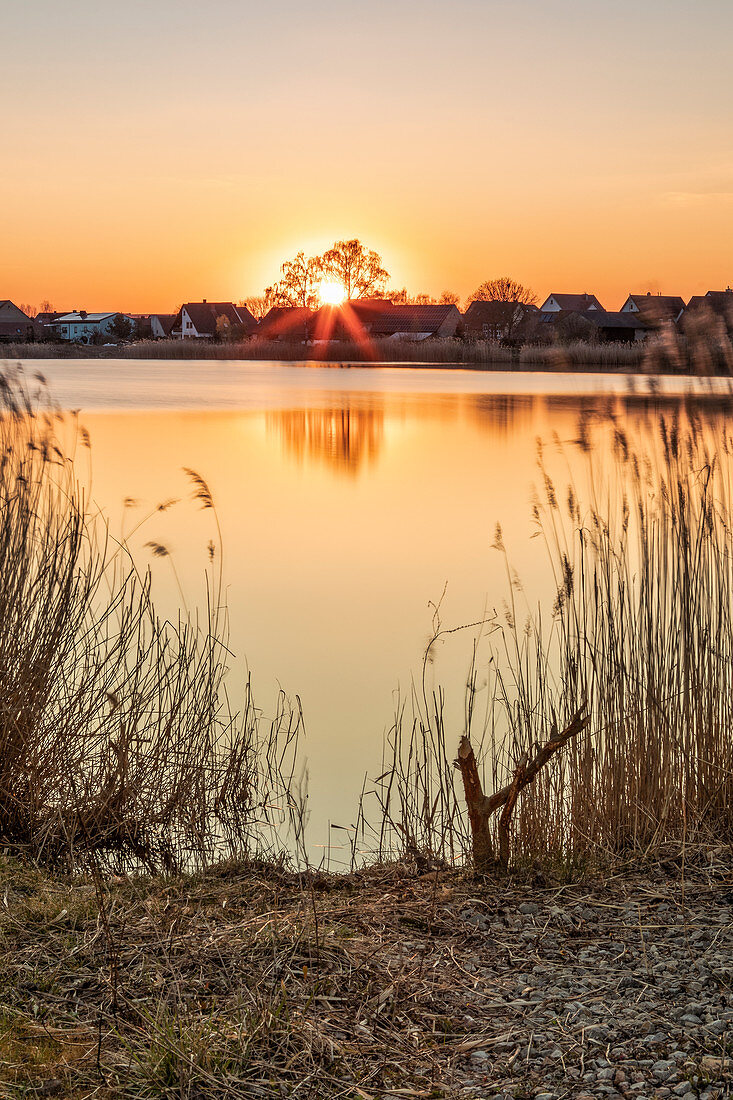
(345, 439)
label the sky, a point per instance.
(160, 151)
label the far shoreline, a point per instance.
(651, 357)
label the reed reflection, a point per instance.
(346, 439)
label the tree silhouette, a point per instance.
(121, 328)
(503, 289)
(299, 283)
(358, 269)
(259, 305)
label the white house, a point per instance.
(161, 325)
(81, 327)
(208, 320)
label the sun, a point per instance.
(331, 293)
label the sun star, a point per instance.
(331, 293)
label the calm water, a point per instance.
(351, 501)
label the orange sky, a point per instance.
(170, 150)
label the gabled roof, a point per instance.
(206, 314)
(166, 321)
(10, 312)
(719, 302)
(657, 305)
(578, 303)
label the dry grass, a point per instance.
(641, 632)
(446, 351)
(248, 982)
(117, 742)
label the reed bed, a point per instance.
(117, 740)
(640, 634)
(447, 350)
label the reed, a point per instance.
(117, 741)
(640, 633)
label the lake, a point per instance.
(352, 502)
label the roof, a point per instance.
(282, 320)
(76, 317)
(411, 318)
(206, 314)
(578, 303)
(665, 300)
(613, 319)
(481, 312)
(165, 320)
(715, 301)
(720, 299)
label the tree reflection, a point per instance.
(344, 438)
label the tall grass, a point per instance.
(640, 630)
(117, 741)
(442, 350)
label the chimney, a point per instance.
(204, 301)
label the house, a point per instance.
(655, 308)
(80, 327)
(596, 325)
(15, 326)
(573, 303)
(704, 309)
(207, 320)
(618, 326)
(161, 325)
(285, 323)
(495, 320)
(47, 318)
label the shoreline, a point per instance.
(644, 359)
(248, 981)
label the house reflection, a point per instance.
(344, 438)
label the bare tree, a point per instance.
(503, 289)
(30, 311)
(259, 305)
(358, 269)
(449, 298)
(402, 298)
(45, 306)
(299, 283)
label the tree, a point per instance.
(299, 283)
(121, 328)
(503, 289)
(356, 268)
(259, 305)
(449, 298)
(45, 306)
(402, 298)
(223, 327)
(30, 311)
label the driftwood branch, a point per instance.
(481, 807)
